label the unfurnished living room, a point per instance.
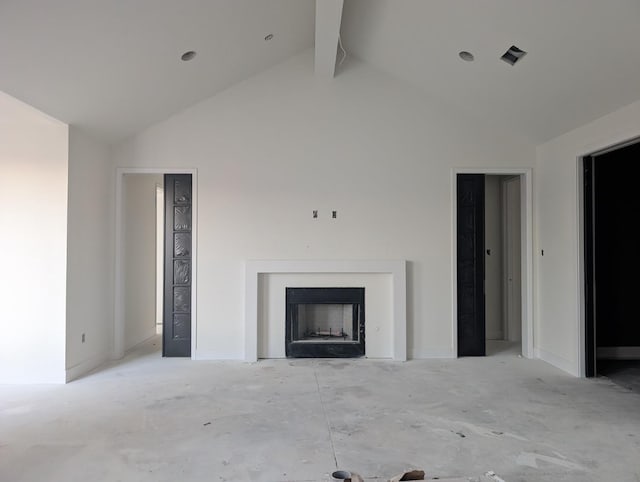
(303, 241)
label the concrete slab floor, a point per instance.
(625, 373)
(145, 418)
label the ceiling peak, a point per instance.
(328, 21)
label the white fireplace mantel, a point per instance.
(396, 268)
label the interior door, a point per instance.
(176, 333)
(470, 264)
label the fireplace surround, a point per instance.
(325, 322)
(394, 336)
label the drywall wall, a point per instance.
(558, 282)
(275, 147)
(493, 258)
(33, 220)
(139, 255)
(89, 254)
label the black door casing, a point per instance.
(470, 264)
(176, 333)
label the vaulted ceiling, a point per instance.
(113, 66)
(583, 56)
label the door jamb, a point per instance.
(118, 314)
(526, 240)
(504, 238)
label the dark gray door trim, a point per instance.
(178, 242)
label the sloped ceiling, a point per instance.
(113, 66)
(583, 57)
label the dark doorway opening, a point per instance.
(611, 262)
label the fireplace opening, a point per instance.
(324, 322)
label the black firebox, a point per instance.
(324, 323)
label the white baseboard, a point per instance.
(619, 352)
(13, 377)
(494, 336)
(216, 356)
(85, 367)
(137, 344)
(557, 361)
(429, 354)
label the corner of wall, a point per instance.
(89, 301)
(557, 361)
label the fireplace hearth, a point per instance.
(324, 323)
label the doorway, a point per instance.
(611, 264)
(141, 247)
(503, 261)
(492, 263)
(177, 191)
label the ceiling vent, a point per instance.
(513, 55)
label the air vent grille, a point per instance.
(513, 55)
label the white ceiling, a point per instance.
(583, 56)
(113, 66)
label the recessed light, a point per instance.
(268, 37)
(188, 55)
(466, 56)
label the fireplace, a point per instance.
(324, 322)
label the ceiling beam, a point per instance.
(328, 20)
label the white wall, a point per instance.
(279, 145)
(493, 261)
(90, 254)
(33, 220)
(139, 255)
(559, 287)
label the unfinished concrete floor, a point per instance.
(151, 419)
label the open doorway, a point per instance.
(611, 264)
(141, 249)
(492, 267)
(159, 257)
(503, 279)
(155, 260)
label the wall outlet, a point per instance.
(83, 338)
(334, 214)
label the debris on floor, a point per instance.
(410, 475)
(345, 476)
(418, 475)
(492, 475)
